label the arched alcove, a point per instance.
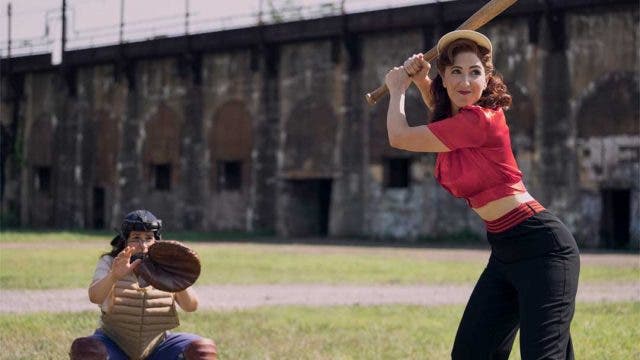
(610, 107)
(40, 142)
(161, 151)
(310, 140)
(230, 140)
(107, 144)
(608, 131)
(102, 146)
(41, 171)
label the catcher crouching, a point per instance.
(137, 286)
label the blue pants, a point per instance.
(530, 283)
(171, 348)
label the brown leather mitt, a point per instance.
(169, 266)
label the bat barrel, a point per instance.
(486, 13)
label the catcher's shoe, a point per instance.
(88, 348)
(201, 349)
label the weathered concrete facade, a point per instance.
(266, 128)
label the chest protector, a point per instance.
(137, 318)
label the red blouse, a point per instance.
(480, 166)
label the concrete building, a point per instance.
(265, 128)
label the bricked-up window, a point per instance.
(42, 179)
(161, 149)
(162, 176)
(397, 172)
(230, 140)
(229, 175)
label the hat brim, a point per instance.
(474, 36)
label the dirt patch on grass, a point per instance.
(235, 297)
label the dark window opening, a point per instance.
(229, 175)
(42, 179)
(616, 218)
(397, 172)
(162, 177)
(324, 200)
(98, 207)
(308, 211)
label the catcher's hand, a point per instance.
(169, 266)
(124, 263)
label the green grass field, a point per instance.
(30, 260)
(600, 331)
(67, 260)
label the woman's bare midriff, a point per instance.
(497, 208)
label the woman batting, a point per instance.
(531, 279)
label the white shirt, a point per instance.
(102, 270)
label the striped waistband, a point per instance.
(514, 217)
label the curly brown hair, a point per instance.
(493, 97)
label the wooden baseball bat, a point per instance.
(486, 13)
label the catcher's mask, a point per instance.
(140, 220)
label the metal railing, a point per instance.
(187, 23)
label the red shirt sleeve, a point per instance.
(467, 129)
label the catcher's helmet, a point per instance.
(140, 220)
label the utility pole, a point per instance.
(9, 31)
(64, 30)
(121, 21)
(186, 17)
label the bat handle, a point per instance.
(377, 94)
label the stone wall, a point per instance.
(265, 129)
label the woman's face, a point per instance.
(464, 80)
(141, 240)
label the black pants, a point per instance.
(530, 283)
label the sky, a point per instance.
(36, 24)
